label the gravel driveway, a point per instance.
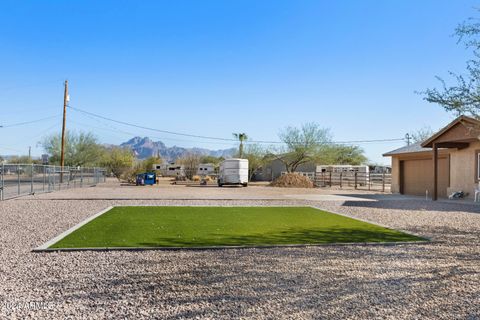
(440, 280)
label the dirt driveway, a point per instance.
(440, 280)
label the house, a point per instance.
(170, 169)
(205, 169)
(276, 167)
(446, 162)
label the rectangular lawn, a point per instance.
(223, 226)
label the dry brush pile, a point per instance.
(292, 180)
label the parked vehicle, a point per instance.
(233, 172)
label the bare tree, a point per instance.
(463, 96)
(422, 134)
(190, 161)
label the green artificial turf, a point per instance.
(223, 226)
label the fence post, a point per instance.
(369, 180)
(330, 176)
(31, 184)
(44, 177)
(81, 177)
(3, 183)
(18, 179)
(341, 177)
(356, 180)
(383, 182)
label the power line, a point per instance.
(28, 122)
(8, 148)
(217, 138)
(151, 129)
(131, 134)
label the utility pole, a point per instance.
(29, 152)
(407, 137)
(62, 155)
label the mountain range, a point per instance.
(146, 147)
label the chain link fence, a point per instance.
(24, 179)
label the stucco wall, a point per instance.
(462, 169)
(395, 187)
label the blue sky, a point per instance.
(216, 67)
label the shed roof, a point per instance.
(413, 148)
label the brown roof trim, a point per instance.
(428, 143)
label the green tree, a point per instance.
(81, 149)
(147, 164)
(463, 97)
(23, 160)
(119, 161)
(302, 145)
(341, 154)
(240, 137)
(211, 159)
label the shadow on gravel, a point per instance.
(321, 282)
(413, 204)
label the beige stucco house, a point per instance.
(444, 163)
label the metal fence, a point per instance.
(25, 179)
(355, 180)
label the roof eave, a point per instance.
(429, 142)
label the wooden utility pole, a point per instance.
(62, 155)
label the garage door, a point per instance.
(417, 176)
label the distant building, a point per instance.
(206, 169)
(276, 167)
(170, 169)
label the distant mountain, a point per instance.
(145, 147)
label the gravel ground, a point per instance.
(440, 280)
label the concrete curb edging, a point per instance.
(377, 224)
(286, 246)
(46, 246)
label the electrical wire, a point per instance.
(151, 129)
(131, 134)
(28, 122)
(11, 149)
(217, 138)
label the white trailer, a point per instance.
(233, 172)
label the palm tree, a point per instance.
(241, 137)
